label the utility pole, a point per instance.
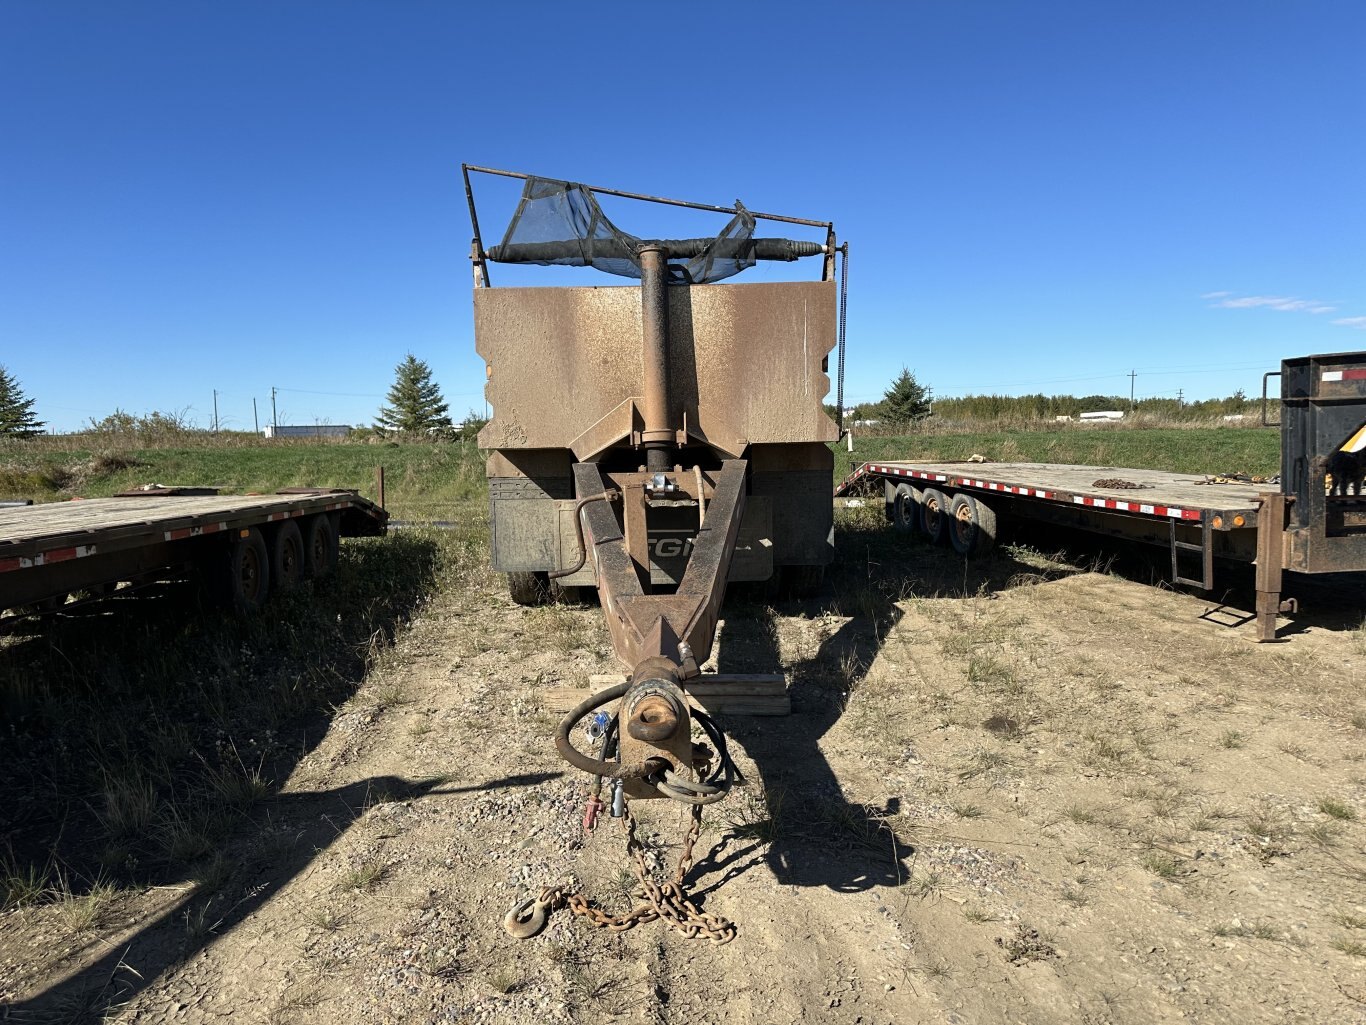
(215, 411)
(1180, 397)
(274, 417)
(1132, 374)
(254, 418)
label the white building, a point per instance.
(311, 431)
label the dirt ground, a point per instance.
(1015, 792)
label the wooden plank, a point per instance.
(733, 694)
(1163, 488)
(731, 683)
(105, 520)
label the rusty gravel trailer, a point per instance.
(246, 546)
(654, 443)
(1311, 523)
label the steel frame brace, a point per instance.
(645, 625)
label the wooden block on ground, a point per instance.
(722, 693)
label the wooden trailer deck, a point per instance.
(1163, 495)
(67, 530)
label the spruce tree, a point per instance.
(415, 402)
(906, 400)
(16, 412)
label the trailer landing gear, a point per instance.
(1270, 560)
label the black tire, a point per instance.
(320, 546)
(567, 595)
(906, 509)
(803, 581)
(934, 515)
(529, 588)
(248, 579)
(287, 562)
(972, 526)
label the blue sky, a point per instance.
(1039, 196)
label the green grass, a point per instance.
(427, 480)
(1179, 450)
(422, 481)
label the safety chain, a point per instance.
(668, 900)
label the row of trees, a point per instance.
(1048, 407)
(907, 401)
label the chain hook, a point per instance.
(527, 918)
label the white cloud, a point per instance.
(1357, 322)
(1284, 303)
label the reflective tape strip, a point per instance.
(182, 533)
(46, 558)
(1167, 511)
(1010, 489)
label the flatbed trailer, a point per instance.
(1198, 519)
(244, 546)
(1311, 519)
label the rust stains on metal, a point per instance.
(745, 363)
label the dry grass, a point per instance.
(1336, 809)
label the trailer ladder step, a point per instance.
(1206, 550)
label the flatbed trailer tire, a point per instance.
(247, 579)
(287, 563)
(972, 526)
(906, 509)
(934, 515)
(568, 594)
(320, 545)
(802, 581)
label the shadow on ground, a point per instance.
(140, 739)
(301, 827)
(816, 836)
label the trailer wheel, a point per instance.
(529, 588)
(802, 581)
(906, 509)
(248, 571)
(287, 556)
(972, 526)
(570, 594)
(934, 515)
(320, 546)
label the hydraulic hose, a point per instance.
(589, 764)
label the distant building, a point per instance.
(310, 431)
(1103, 414)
